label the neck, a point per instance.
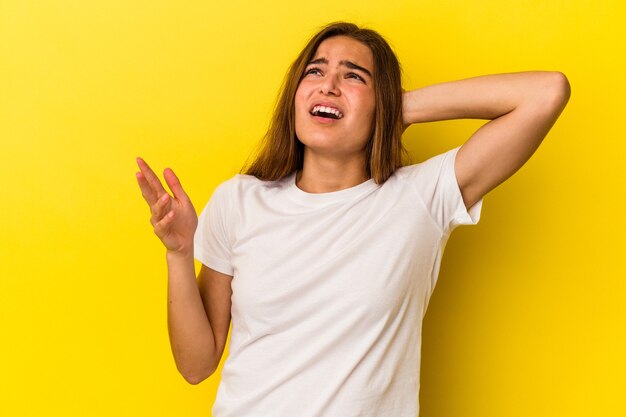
(325, 174)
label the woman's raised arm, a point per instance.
(522, 107)
(174, 220)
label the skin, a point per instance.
(521, 107)
(334, 151)
(198, 311)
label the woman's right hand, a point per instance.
(174, 218)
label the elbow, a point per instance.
(561, 89)
(196, 375)
(551, 94)
(194, 365)
(195, 379)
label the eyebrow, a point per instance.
(344, 62)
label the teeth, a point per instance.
(323, 109)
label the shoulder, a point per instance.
(242, 187)
(245, 181)
(428, 170)
(237, 181)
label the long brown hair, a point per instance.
(282, 153)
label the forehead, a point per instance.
(339, 48)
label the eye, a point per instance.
(312, 71)
(355, 76)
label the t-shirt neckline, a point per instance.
(330, 197)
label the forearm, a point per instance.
(191, 336)
(482, 97)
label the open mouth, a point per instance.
(326, 112)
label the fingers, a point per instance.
(146, 191)
(174, 184)
(152, 187)
(160, 209)
(161, 228)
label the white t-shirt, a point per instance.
(329, 289)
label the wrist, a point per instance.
(180, 255)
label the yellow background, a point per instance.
(528, 317)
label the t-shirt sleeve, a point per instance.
(435, 180)
(212, 242)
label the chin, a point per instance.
(319, 143)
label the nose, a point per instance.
(329, 85)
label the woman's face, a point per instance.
(334, 101)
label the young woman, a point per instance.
(327, 249)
